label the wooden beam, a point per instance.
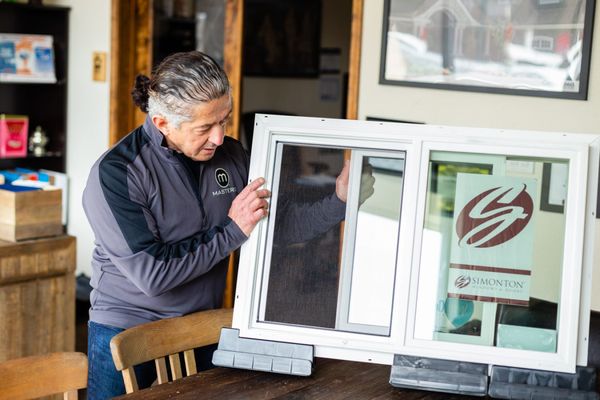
(143, 17)
(354, 66)
(119, 68)
(234, 28)
(131, 54)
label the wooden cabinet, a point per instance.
(37, 297)
(44, 103)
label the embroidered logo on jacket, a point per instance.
(223, 180)
(222, 177)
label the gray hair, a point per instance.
(179, 83)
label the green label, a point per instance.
(491, 254)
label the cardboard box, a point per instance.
(13, 135)
(31, 214)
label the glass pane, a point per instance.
(375, 244)
(491, 258)
(302, 283)
(210, 28)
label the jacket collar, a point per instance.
(157, 138)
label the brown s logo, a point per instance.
(494, 216)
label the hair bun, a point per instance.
(139, 93)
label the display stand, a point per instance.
(263, 355)
(439, 375)
(519, 383)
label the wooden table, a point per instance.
(331, 379)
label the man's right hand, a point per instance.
(250, 206)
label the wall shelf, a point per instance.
(44, 103)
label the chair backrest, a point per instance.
(38, 376)
(166, 339)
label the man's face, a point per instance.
(199, 138)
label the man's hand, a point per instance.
(341, 182)
(366, 183)
(250, 206)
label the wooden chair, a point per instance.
(38, 376)
(167, 338)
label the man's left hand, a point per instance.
(341, 182)
(366, 183)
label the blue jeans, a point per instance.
(104, 381)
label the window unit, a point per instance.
(409, 271)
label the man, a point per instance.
(162, 224)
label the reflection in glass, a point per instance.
(186, 26)
(210, 28)
(370, 249)
(491, 260)
(322, 272)
(533, 45)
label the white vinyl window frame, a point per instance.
(418, 141)
(272, 132)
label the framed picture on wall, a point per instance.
(282, 38)
(554, 187)
(534, 48)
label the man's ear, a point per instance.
(161, 124)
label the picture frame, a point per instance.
(282, 38)
(381, 119)
(330, 60)
(535, 48)
(554, 190)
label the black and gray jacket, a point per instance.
(161, 227)
(162, 230)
